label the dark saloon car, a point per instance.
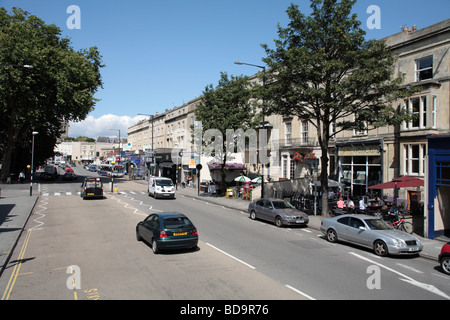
(69, 176)
(277, 211)
(167, 231)
(92, 188)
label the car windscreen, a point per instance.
(93, 184)
(177, 222)
(164, 183)
(282, 205)
(377, 224)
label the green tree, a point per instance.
(323, 70)
(227, 106)
(59, 87)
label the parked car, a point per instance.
(68, 169)
(277, 211)
(92, 188)
(69, 176)
(167, 231)
(444, 258)
(371, 232)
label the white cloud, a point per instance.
(93, 128)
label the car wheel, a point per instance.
(445, 264)
(380, 248)
(155, 247)
(253, 215)
(278, 221)
(331, 235)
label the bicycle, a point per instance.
(401, 224)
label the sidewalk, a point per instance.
(431, 248)
(16, 206)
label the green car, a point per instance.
(167, 231)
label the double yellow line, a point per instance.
(16, 270)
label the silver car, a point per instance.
(277, 211)
(370, 232)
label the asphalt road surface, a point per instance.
(87, 250)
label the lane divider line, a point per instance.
(299, 292)
(227, 254)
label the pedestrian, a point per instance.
(21, 176)
(393, 213)
(340, 204)
(362, 205)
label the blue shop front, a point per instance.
(438, 222)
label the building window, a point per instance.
(424, 68)
(292, 171)
(304, 132)
(414, 159)
(288, 134)
(418, 109)
(433, 112)
(364, 126)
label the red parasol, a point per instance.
(401, 182)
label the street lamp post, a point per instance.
(32, 164)
(263, 117)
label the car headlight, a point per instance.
(399, 243)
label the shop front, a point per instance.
(360, 165)
(438, 186)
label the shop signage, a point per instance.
(359, 151)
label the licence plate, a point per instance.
(299, 221)
(90, 194)
(180, 233)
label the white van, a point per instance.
(160, 187)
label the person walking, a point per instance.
(21, 176)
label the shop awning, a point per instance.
(166, 165)
(228, 166)
(402, 182)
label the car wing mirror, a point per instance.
(362, 228)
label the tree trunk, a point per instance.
(6, 161)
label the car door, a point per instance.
(269, 211)
(145, 228)
(354, 233)
(259, 208)
(341, 226)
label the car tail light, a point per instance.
(163, 235)
(194, 232)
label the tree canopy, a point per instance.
(324, 71)
(227, 106)
(44, 82)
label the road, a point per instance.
(92, 244)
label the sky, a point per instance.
(160, 54)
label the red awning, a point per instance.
(402, 182)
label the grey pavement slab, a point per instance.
(16, 205)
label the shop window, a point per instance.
(443, 173)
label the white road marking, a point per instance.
(245, 263)
(302, 293)
(405, 278)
